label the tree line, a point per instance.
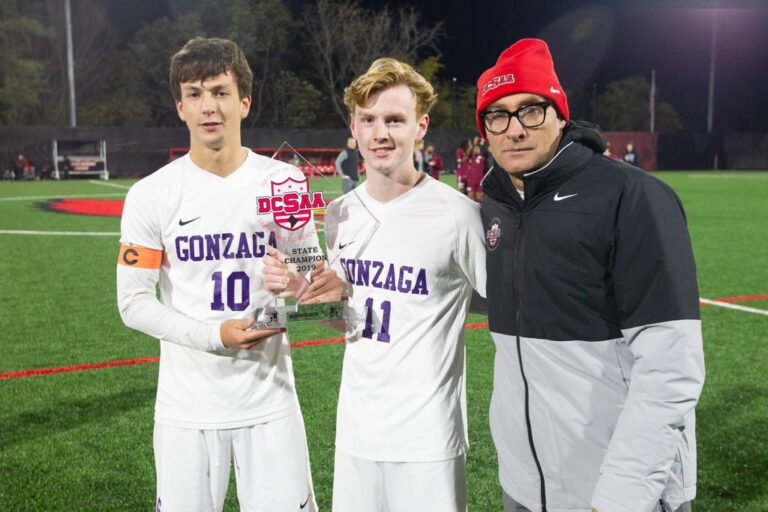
(301, 62)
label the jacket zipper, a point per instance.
(518, 237)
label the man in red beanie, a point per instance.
(592, 304)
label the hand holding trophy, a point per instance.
(323, 285)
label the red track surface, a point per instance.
(297, 344)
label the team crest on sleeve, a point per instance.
(291, 203)
(493, 235)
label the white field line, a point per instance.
(732, 176)
(728, 305)
(57, 233)
(58, 196)
(71, 233)
(105, 184)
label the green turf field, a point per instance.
(81, 441)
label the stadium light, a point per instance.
(652, 100)
(712, 64)
(70, 65)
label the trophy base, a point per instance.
(277, 317)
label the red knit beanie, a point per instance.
(526, 66)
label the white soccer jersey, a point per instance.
(403, 395)
(212, 240)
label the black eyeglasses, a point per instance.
(497, 121)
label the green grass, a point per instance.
(82, 441)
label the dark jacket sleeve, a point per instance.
(653, 269)
(655, 287)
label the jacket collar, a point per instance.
(580, 141)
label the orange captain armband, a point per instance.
(139, 257)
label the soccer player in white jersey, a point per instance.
(411, 250)
(192, 227)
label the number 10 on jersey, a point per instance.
(383, 334)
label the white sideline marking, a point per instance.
(57, 196)
(70, 233)
(57, 233)
(731, 176)
(728, 305)
(104, 183)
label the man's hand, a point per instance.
(279, 279)
(235, 334)
(326, 286)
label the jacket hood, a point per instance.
(585, 133)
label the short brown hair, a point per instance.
(385, 73)
(203, 58)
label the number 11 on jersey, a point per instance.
(386, 308)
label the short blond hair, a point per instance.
(385, 73)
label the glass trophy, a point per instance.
(302, 187)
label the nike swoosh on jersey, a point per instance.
(185, 222)
(558, 197)
(341, 246)
(302, 505)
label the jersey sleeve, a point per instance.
(138, 271)
(470, 243)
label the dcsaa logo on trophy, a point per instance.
(291, 203)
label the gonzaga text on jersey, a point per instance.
(387, 276)
(226, 246)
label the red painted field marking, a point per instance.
(77, 368)
(296, 344)
(129, 362)
(744, 298)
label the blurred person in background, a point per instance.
(462, 156)
(476, 167)
(434, 161)
(65, 166)
(420, 157)
(630, 155)
(347, 164)
(21, 166)
(608, 151)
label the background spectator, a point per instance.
(476, 168)
(21, 166)
(65, 167)
(434, 161)
(462, 155)
(346, 165)
(631, 156)
(419, 158)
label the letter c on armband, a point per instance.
(139, 257)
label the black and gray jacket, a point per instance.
(593, 307)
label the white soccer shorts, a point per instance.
(370, 486)
(270, 459)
